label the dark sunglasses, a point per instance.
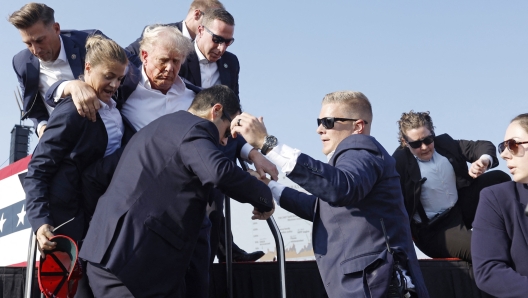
(511, 144)
(228, 130)
(328, 122)
(219, 39)
(417, 144)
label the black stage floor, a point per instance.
(444, 279)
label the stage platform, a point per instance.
(444, 279)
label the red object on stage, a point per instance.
(60, 271)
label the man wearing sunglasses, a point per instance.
(441, 193)
(355, 202)
(189, 26)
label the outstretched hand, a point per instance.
(251, 128)
(263, 165)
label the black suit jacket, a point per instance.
(228, 68)
(146, 225)
(27, 69)
(458, 152)
(53, 181)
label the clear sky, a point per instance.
(464, 61)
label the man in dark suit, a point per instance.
(52, 55)
(153, 209)
(356, 204)
(189, 26)
(441, 194)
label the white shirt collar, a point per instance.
(201, 57)
(185, 31)
(329, 156)
(108, 106)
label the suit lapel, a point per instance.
(74, 56)
(32, 75)
(223, 70)
(194, 68)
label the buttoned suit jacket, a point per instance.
(149, 218)
(53, 180)
(458, 152)
(499, 241)
(27, 69)
(350, 195)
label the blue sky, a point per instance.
(465, 61)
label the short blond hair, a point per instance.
(357, 104)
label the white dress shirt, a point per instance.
(113, 124)
(185, 31)
(51, 72)
(146, 104)
(208, 70)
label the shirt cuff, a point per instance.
(58, 92)
(39, 126)
(489, 158)
(284, 157)
(244, 152)
(276, 190)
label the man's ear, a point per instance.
(359, 126)
(87, 66)
(197, 14)
(144, 55)
(56, 28)
(216, 111)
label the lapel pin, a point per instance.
(225, 65)
(73, 56)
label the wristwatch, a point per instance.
(269, 143)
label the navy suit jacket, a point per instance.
(350, 194)
(146, 225)
(27, 69)
(499, 243)
(458, 152)
(53, 181)
(228, 69)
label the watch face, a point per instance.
(272, 141)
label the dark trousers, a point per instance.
(450, 237)
(197, 275)
(105, 284)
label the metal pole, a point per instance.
(30, 265)
(228, 247)
(281, 253)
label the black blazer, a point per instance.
(228, 68)
(149, 218)
(458, 152)
(27, 69)
(52, 184)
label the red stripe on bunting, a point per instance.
(15, 167)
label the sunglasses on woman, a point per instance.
(417, 144)
(328, 122)
(511, 144)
